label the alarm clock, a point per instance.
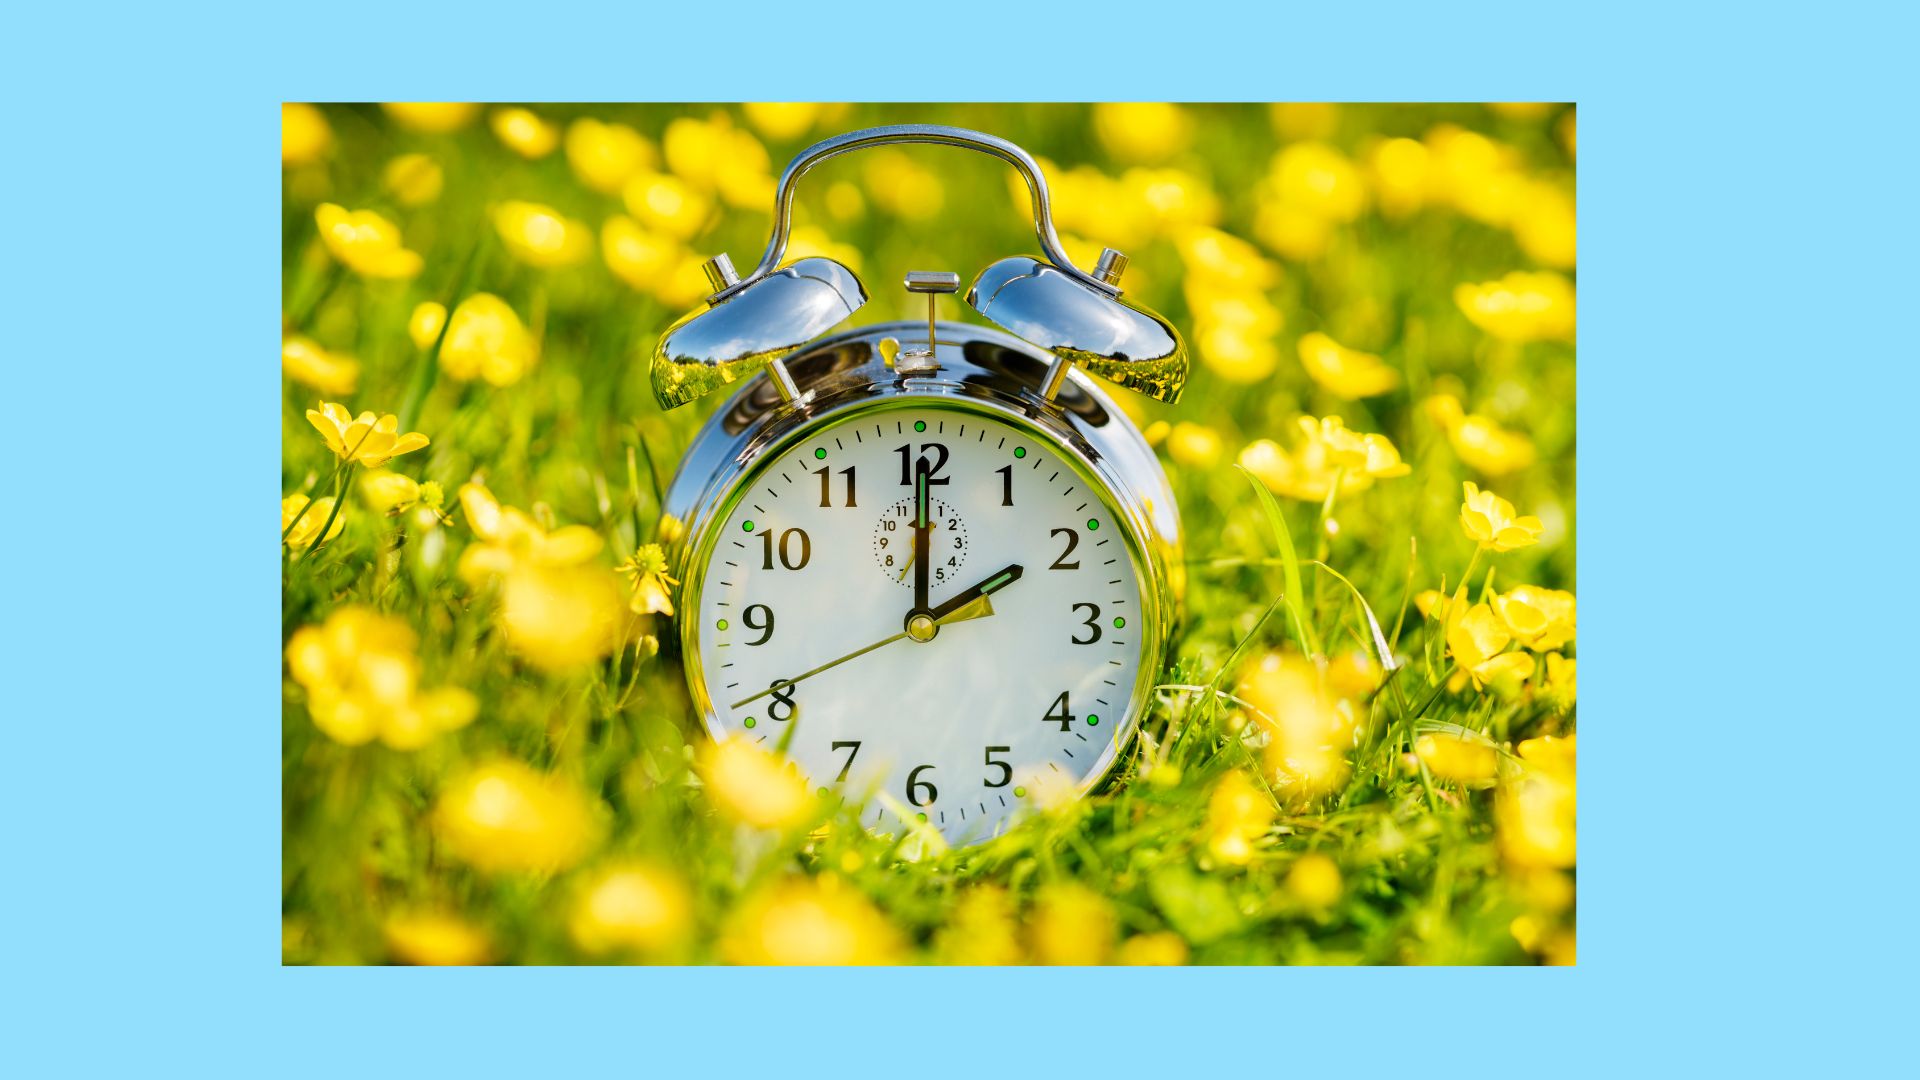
(927, 561)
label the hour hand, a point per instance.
(956, 608)
(922, 537)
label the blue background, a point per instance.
(1747, 202)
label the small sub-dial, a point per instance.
(946, 542)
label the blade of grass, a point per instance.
(1289, 561)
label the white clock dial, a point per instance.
(1032, 611)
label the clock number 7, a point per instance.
(854, 746)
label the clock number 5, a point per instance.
(1006, 770)
(1092, 623)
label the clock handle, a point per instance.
(940, 135)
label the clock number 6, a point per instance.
(1092, 623)
(914, 784)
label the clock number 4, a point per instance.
(1060, 713)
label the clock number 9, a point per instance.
(915, 784)
(765, 627)
(1092, 623)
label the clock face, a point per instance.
(938, 606)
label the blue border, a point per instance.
(1746, 279)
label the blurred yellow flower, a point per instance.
(1476, 638)
(368, 439)
(1162, 948)
(362, 682)
(503, 817)
(1521, 307)
(1399, 170)
(644, 260)
(652, 586)
(1314, 880)
(539, 236)
(845, 202)
(1145, 132)
(1480, 441)
(1544, 224)
(1304, 119)
(1560, 685)
(386, 491)
(1353, 674)
(1237, 351)
(305, 135)
(1194, 446)
(901, 185)
(414, 179)
(1310, 727)
(365, 242)
(1567, 133)
(783, 120)
(1489, 521)
(1070, 925)
(1088, 202)
(715, 156)
(484, 339)
(1222, 262)
(1479, 176)
(980, 929)
(605, 155)
(753, 786)
(432, 117)
(1347, 373)
(1534, 812)
(667, 204)
(1319, 180)
(1171, 200)
(425, 324)
(1541, 619)
(509, 539)
(1238, 814)
(631, 907)
(524, 132)
(1463, 761)
(309, 522)
(1292, 232)
(435, 938)
(811, 240)
(1327, 449)
(812, 922)
(559, 618)
(305, 362)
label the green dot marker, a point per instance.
(1019, 793)
(1092, 720)
(747, 525)
(819, 453)
(749, 721)
(823, 793)
(722, 624)
(922, 817)
(1093, 524)
(920, 425)
(1119, 622)
(1019, 451)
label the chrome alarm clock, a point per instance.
(928, 561)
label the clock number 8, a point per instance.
(783, 700)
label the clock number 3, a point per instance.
(1092, 623)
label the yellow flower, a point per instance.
(1560, 686)
(1544, 224)
(1310, 727)
(1463, 761)
(1521, 307)
(1224, 263)
(1541, 619)
(1088, 202)
(707, 153)
(1236, 351)
(1162, 948)
(652, 586)
(1238, 814)
(368, 439)
(1070, 925)
(783, 120)
(1142, 131)
(365, 242)
(305, 136)
(1170, 201)
(362, 682)
(1480, 177)
(1489, 521)
(1327, 449)
(1316, 179)
(1534, 812)
(432, 117)
(425, 324)
(753, 786)
(1567, 132)
(386, 491)
(1477, 639)
(561, 617)
(980, 930)
(301, 538)
(1400, 171)
(1353, 674)
(1480, 441)
(667, 205)
(808, 921)
(1314, 881)
(631, 907)
(1195, 446)
(604, 155)
(901, 185)
(511, 540)
(485, 339)
(435, 938)
(305, 362)
(414, 179)
(503, 817)
(1304, 119)
(644, 260)
(1347, 373)
(539, 236)
(524, 132)
(811, 240)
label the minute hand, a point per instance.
(993, 584)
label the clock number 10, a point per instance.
(793, 555)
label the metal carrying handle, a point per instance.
(889, 134)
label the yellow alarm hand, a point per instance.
(978, 607)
